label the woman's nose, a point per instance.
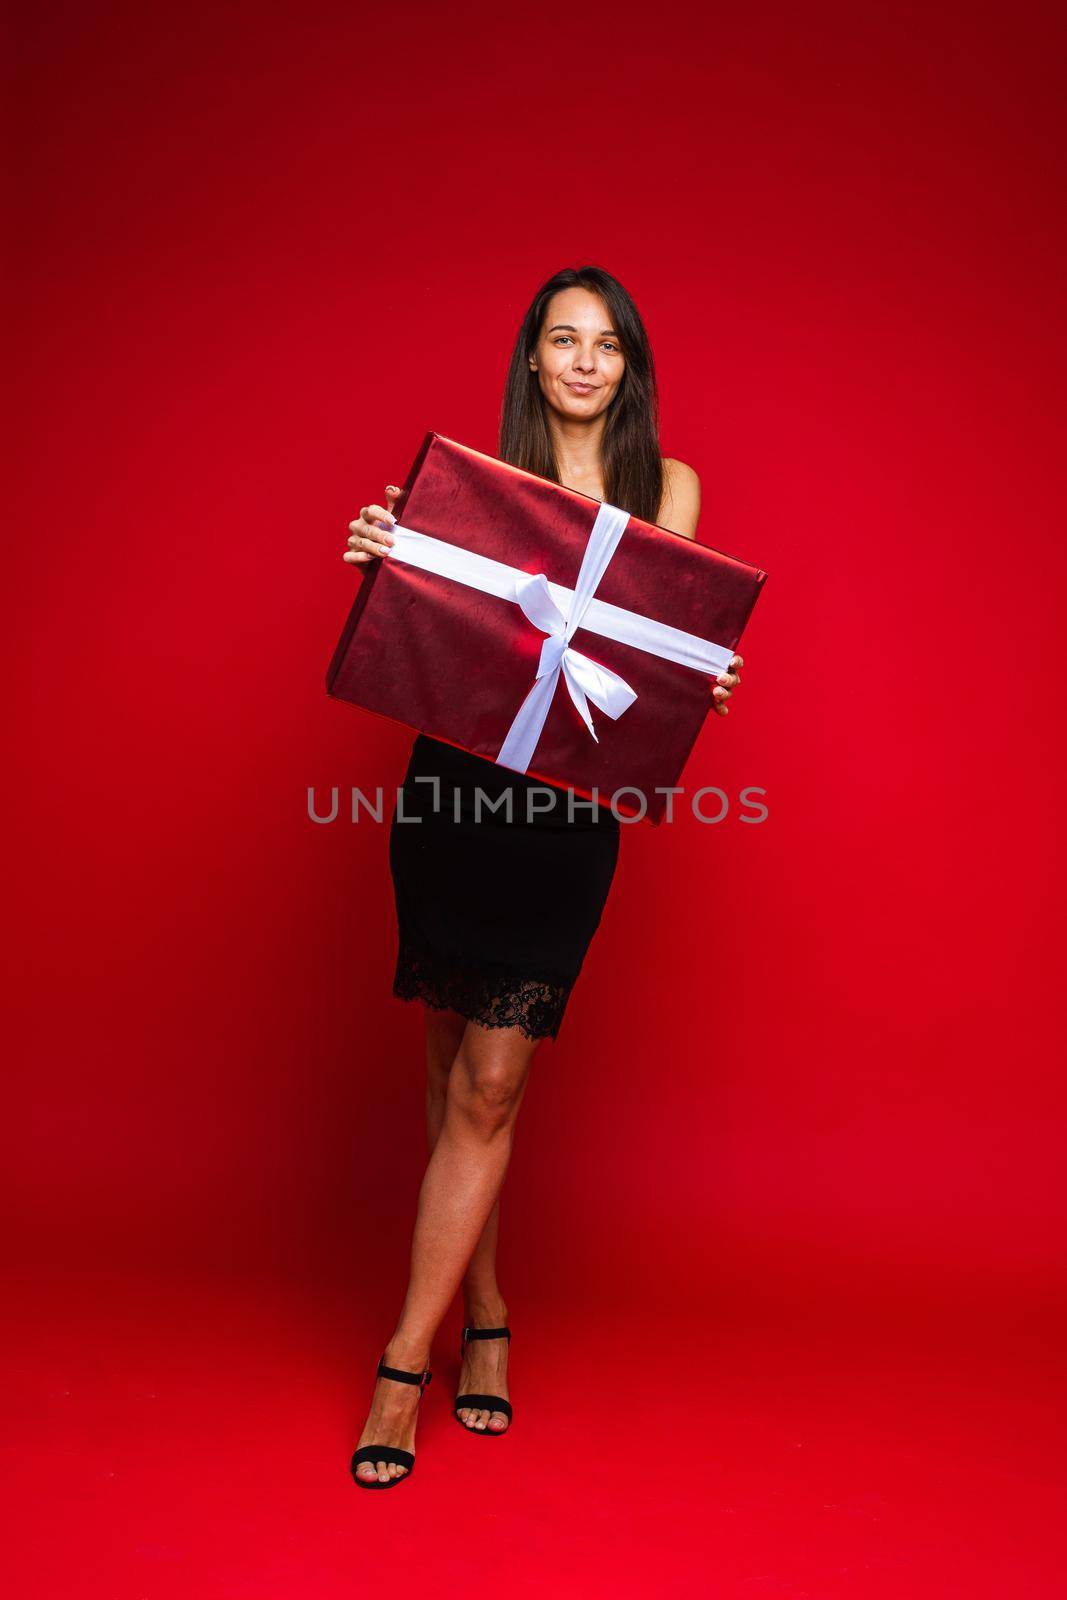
(584, 361)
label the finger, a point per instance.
(392, 495)
(372, 539)
(376, 513)
(736, 662)
(377, 522)
(365, 527)
(361, 547)
(720, 694)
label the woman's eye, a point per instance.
(565, 338)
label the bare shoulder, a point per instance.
(680, 507)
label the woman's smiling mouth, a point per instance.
(581, 388)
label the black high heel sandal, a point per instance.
(389, 1452)
(483, 1402)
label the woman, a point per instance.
(495, 968)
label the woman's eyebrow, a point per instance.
(568, 327)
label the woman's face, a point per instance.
(578, 360)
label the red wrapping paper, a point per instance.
(457, 664)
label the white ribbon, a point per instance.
(559, 612)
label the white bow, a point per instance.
(585, 679)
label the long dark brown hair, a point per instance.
(633, 469)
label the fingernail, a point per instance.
(383, 549)
(721, 678)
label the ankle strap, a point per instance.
(400, 1376)
(486, 1333)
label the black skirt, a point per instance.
(496, 898)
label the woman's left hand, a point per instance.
(725, 684)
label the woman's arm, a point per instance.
(680, 510)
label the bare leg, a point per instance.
(459, 1189)
(485, 1361)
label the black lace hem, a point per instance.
(495, 998)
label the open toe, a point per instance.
(485, 1414)
(389, 1464)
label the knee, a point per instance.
(488, 1093)
(443, 1038)
(437, 1075)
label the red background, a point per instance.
(783, 1227)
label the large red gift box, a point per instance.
(459, 664)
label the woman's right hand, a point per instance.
(369, 536)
